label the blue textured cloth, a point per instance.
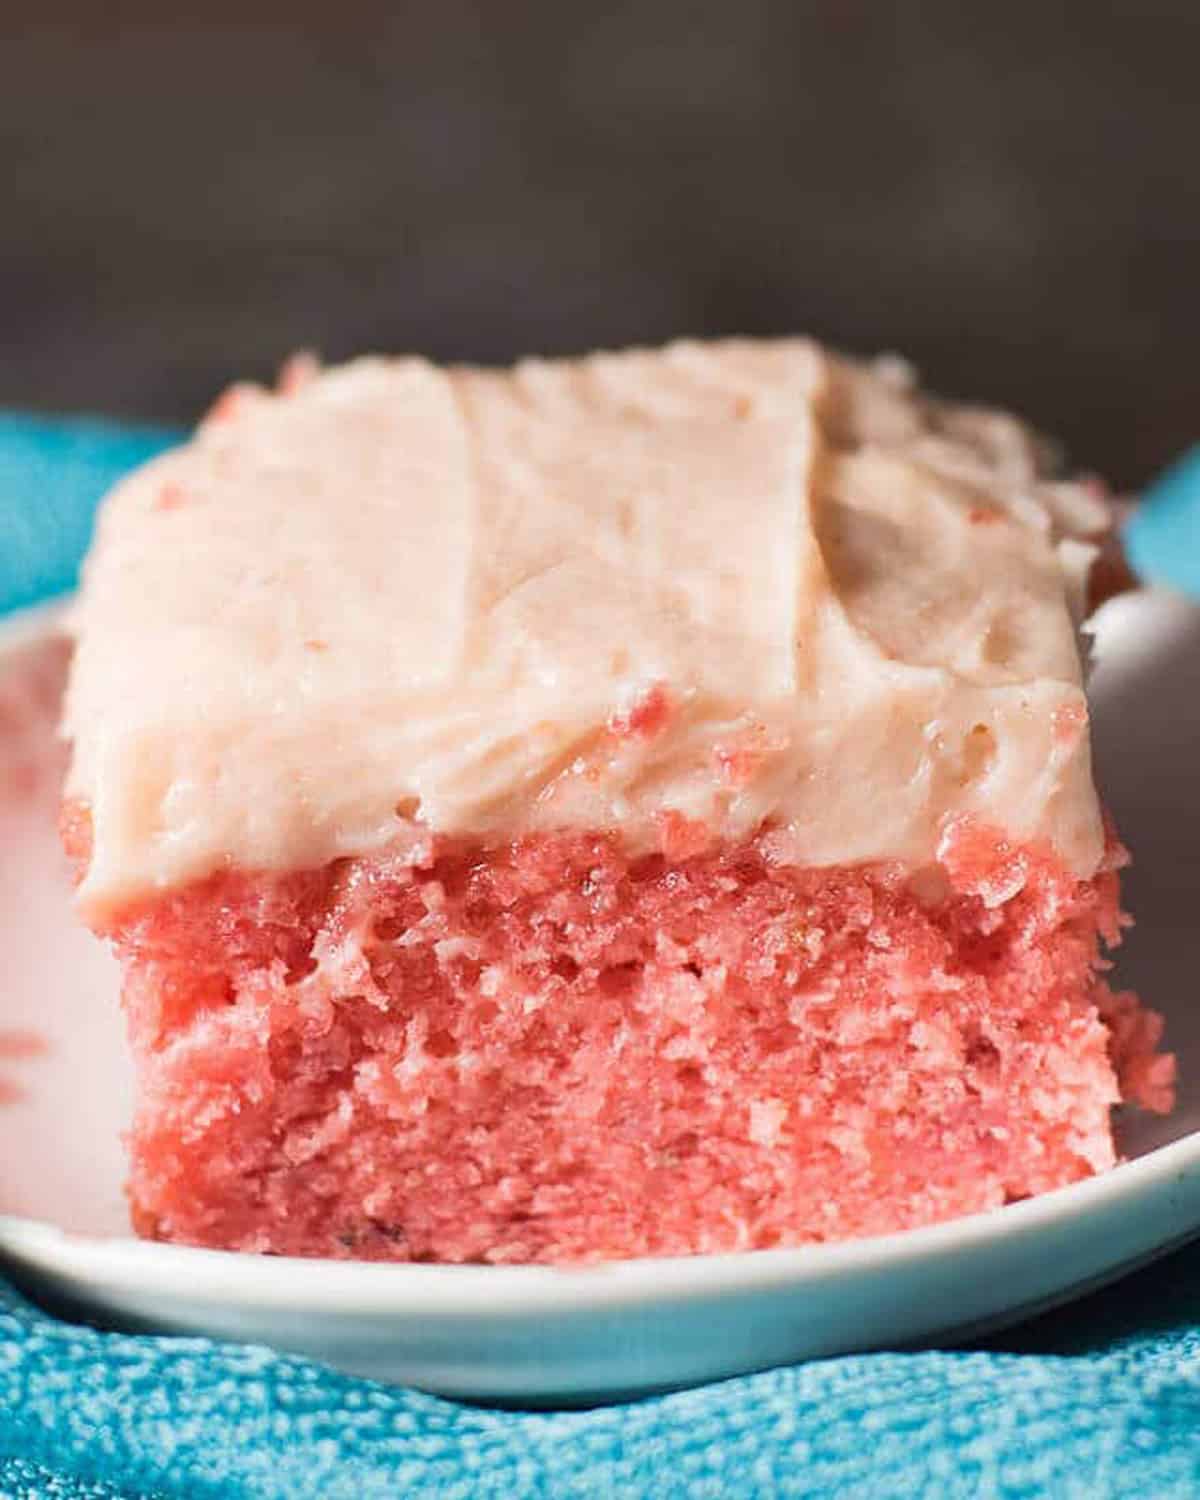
(85, 1414)
(52, 473)
(1100, 1400)
(1162, 537)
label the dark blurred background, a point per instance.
(1006, 192)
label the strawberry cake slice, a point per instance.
(638, 805)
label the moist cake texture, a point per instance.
(640, 804)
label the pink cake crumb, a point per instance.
(553, 1051)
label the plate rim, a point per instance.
(350, 1286)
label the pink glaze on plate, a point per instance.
(64, 1073)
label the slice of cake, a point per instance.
(635, 805)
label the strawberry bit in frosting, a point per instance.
(233, 402)
(650, 714)
(738, 760)
(1070, 723)
(170, 497)
(301, 369)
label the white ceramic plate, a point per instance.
(532, 1334)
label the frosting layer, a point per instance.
(679, 593)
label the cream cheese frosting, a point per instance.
(733, 583)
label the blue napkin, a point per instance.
(52, 474)
(1162, 537)
(1100, 1400)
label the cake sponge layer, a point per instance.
(553, 1050)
